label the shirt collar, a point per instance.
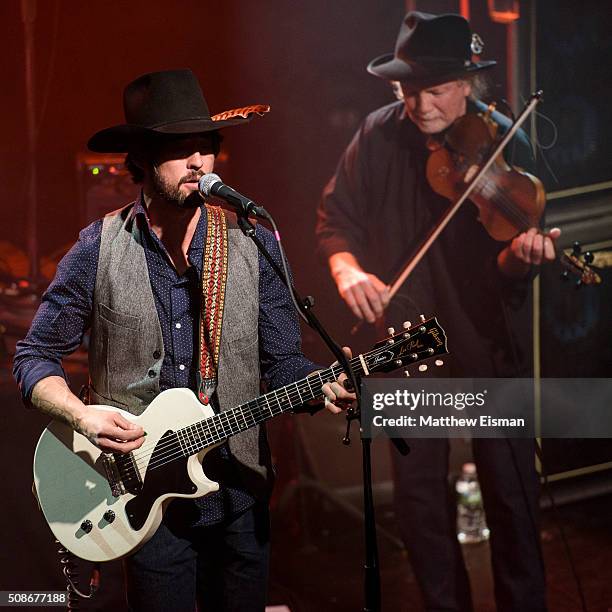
(197, 242)
(141, 209)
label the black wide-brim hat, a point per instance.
(166, 103)
(430, 48)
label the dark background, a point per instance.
(307, 60)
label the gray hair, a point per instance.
(478, 81)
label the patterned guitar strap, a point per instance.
(214, 277)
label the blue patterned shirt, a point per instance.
(65, 315)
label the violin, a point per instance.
(509, 199)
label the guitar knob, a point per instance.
(87, 526)
(576, 248)
(588, 257)
(390, 330)
(406, 324)
(109, 516)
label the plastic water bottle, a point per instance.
(471, 521)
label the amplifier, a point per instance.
(104, 185)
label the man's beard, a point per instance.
(173, 194)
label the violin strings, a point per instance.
(512, 212)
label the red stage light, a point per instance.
(504, 11)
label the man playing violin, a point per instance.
(375, 211)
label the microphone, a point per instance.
(212, 185)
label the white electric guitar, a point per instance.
(103, 506)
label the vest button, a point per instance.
(156, 354)
(152, 374)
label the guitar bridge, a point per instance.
(112, 474)
(122, 473)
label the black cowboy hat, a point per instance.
(165, 103)
(430, 48)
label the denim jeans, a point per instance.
(223, 567)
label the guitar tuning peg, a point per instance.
(439, 362)
(423, 367)
(588, 257)
(576, 248)
(406, 324)
(390, 330)
(565, 275)
(422, 318)
(406, 373)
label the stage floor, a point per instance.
(324, 573)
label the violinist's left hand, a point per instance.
(529, 248)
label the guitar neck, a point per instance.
(221, 426)
(408, 346)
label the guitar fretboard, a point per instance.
(231, 422)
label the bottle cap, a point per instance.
(469, 468)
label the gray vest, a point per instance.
(126, 350)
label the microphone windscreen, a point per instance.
(207, 181)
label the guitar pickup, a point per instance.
(122, 473)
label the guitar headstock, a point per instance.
(413, 344)
(579, 264)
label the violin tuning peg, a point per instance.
(423, 318)
(423, 367)
(390, 330)
(439, 362)
(406, 373)
(406, 324)
(576, 248)
(588, 257)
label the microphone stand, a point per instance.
(372, 594)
